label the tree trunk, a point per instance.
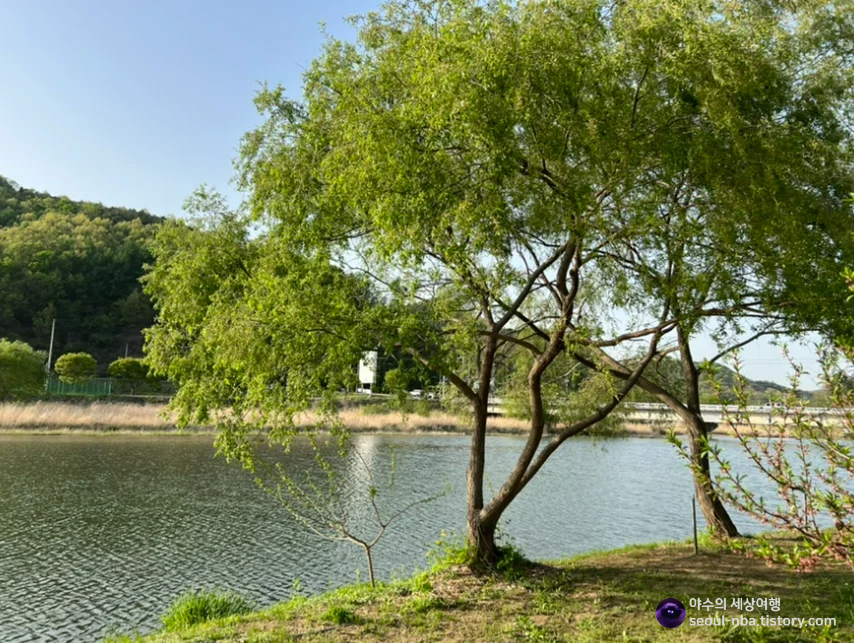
(483, 551)
(481, 538)
(370, 564)
(716, 515)
(717, 518)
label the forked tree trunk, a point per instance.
(483, 551)
(482, 523)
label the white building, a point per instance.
(369, 371)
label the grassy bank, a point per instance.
(608, 596)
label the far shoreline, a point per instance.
(106, 418)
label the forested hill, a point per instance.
(79, 262)
(759, 389)
(18, 204)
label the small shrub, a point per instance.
(21, 370)
(511, 563)
(130, 370)
(421, 583)
(423, 408)
(76, 367)
(448, 551)
(197, 607)
(339, 616)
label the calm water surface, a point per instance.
(99, 534)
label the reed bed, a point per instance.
(113, 416)
(94, 416)
(359, 422)
(103, 416)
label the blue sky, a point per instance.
(138, 103)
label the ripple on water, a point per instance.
(99, 535)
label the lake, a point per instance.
(98, 534)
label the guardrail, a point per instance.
(733, 408)
(495, 404)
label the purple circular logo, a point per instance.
(670, 613)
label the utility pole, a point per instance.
(126, 350)
(49, 356)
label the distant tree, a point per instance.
(18, 203)
(76, 367)
(132, 370)
(666, 373)
(571, 392)
(22, 371)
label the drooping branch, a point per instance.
(621, 371)
(521, 476)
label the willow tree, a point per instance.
(452, 185)
(751, 228)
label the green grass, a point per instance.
(202, 606)
(604, 596)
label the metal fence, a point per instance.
(96, 386)
(110, 386)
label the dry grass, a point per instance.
(94, 416)
(360, 422)
(109, 416)
(126, 417)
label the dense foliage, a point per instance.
(132, 375)
(128, 368)
(22, 370)
(19, 204)
(76, 261)
(570, 177)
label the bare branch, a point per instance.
(526, 289)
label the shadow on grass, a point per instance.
(640, 579)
